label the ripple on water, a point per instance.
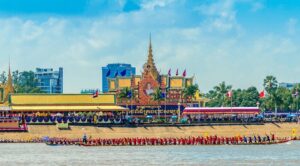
(41, 154)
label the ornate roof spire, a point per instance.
(150, 55)
(9, 88)
(150, 65)
(9, 78)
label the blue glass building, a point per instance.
(287, 85)
(115, 70)
(48, 80)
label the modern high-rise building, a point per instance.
(115, 70)
(287, 85)
(49, 80)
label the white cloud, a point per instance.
(291, 26)
(152, 4)
(212, 48)
(220, 15)
(257, 6)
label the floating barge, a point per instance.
(8, 124)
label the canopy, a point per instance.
(220, 110)
(66, 108)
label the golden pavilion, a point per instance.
(19, 103)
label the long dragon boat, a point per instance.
(163, 142)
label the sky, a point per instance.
(236, 41)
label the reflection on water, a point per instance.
(41, 154)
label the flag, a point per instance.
(129, 95)
(96, 93)
(123, 73)
(163, 95)
(229, 94)
(116, 73)
(262, 94)
(184, 73)
(177, 72)
(108, 73)
(169, 72)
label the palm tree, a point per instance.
(158, 97)
(125, 94)
(271, 85)
(189, 92)
(221, 91)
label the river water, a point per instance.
(41, 154)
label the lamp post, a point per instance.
(179, 104)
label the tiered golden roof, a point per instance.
(6, 89)
(150, 67)
(9, 88)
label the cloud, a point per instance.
(257, 6)
(220, 15)
(204, 38)
(291, 26)
(152, 4)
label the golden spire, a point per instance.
(9, 88)
(9, 78)
(150, 55)
(150, 65)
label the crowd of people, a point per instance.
(122, 118)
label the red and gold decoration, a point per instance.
(144, 85)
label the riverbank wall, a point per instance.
(39, 131)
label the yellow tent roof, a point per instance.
(61, 99)
(66, 108)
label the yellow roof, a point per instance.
(67, 108)
(59, 99)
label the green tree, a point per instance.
(271, 85)
(157, 96)
(125, 95)
(221, 91)
(295, 93)
(25, 82)
(189, 92)
(284, 99)
(3, 77)
(246, 97)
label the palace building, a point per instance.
(143, 86)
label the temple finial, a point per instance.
(150, 44)
(9, 78)
(9, 88)
(150, 65)
(9, 65)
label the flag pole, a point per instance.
(165, 104)
(131, 99)
(131, 94)
(231, 103)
